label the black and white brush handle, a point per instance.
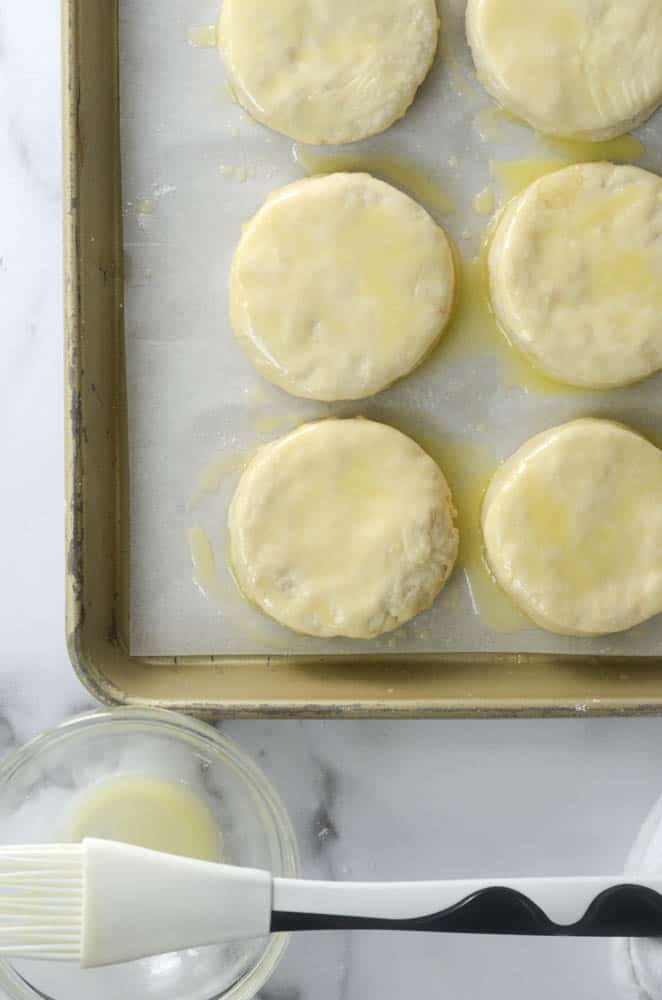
(572, 907)
(131, 903)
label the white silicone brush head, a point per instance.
(138, 903)
(41, 902)
(101, 903)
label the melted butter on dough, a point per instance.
(340, 285)
(575, 271)
(572, 525)
(327, 71)
(342, 528)
(575, 68)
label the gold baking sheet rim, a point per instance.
(419, 686)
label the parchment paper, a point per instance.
(194, 168)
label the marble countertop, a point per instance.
(368, 799)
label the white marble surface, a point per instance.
(368, 799)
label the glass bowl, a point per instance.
(39, 785)
(637, 962)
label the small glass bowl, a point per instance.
(637, 962)
(39, 785)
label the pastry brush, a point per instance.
(101, 902)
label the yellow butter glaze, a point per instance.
(557, 23)
(619, 272)
(484, 201)
(604, 208)
(377, 242)
(238, 173)
(462, 79)
(203, 36)
(624, 149)
(276, 423)
(490, 120)
(515, 175)
(258, 394)
(584, 554)
(146, 206)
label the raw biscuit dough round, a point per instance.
(340, 285)
(572, 526)
(342, 528)
(327, 71)
(588, 69)
(575, 270)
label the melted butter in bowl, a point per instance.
(147, 812)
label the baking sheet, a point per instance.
(194, 168)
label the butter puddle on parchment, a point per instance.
(413, 179)
(205, 572)
(460, 72)
(492, 121)
(222, 592)
(512, 176)
(204, 36)
(213, 475)
(484, 201)
(469, 468)
(206, 575)
(624, 149)
(207, 543)
(474, 331)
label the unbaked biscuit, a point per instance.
(572, 525)
(588, 69)
(327, 71)
(575, 270)
(342, 528)
(340, 285)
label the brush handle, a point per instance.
(572, 907)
